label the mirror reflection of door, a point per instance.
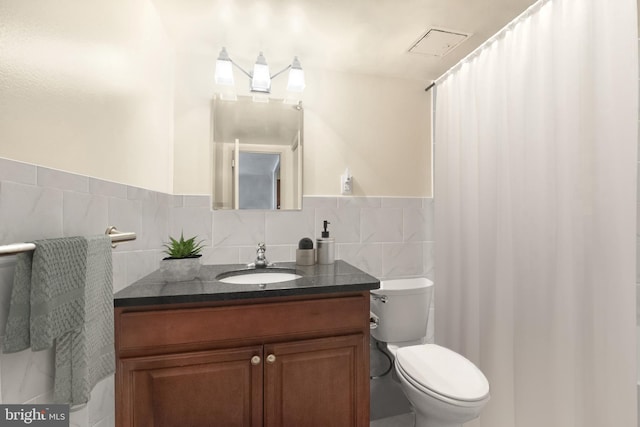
(252, 127)
(258, 180)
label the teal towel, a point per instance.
(71, 306)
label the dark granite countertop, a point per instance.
(316, 279)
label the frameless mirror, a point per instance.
(257, 154)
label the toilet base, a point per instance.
(422, 420)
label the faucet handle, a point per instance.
(261, 261)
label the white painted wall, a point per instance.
(96, 88)
(87, 87)
(378, 127)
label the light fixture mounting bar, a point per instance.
(281, 71)
(240, 68)
(249, 74)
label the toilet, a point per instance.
(444, 388)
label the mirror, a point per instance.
(257, 154)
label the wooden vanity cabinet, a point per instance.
(175, 389)
(276, 362)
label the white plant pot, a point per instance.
(180, 269)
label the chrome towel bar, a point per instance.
(116, 237)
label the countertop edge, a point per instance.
(148, 291)
(236, 296)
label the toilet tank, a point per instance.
(403, 316)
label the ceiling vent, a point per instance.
(438, 42)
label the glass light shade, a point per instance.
(224, 72)
(261, 79)
(296, 80)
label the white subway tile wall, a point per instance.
(385, 236)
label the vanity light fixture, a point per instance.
(296, 77)
(260, 78)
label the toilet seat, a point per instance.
(443, 374)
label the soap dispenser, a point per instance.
(325, 246)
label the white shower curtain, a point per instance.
(535, 192)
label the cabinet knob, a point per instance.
(271, 358)
(255, 360)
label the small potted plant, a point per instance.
(183, 260)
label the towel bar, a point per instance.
(116, 237)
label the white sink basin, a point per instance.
(260, 278)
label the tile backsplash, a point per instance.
(385, 236)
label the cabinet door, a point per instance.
(208, 388)
(317, 383)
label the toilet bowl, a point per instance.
(444, 388)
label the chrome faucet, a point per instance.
(261, 261)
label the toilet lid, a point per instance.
(443, 371)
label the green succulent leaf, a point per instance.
(182, 248)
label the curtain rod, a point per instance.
(430, 86)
